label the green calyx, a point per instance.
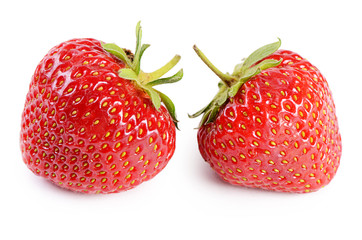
(147, 81)
(231, 83)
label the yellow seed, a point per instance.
(118, 134)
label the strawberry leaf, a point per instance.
(127, 73)
(146, 81)
(169, 106)
(155, 97)
(203, 110)
(175, 78)
(117, 51)
(137, 58)
(261, 53)
(230, 84)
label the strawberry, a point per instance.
(93, 122)
(272, 125)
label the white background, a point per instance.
(186, 200)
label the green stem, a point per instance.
(226, 78)
(163, 70)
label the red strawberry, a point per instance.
(92, 121)
(272, 125)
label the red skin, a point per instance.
(88, 130)
(283, 141)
